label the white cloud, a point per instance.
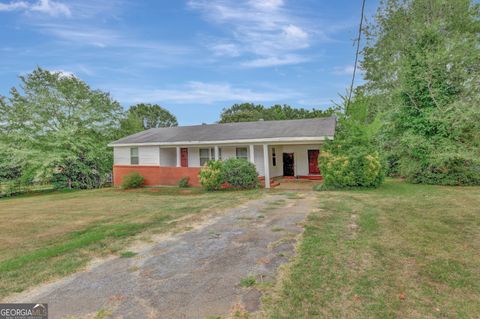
(274, 61)
(200, 93)
(343, 70)
(226, 49)
(266, 4)
(62, 73)
(52, 8)
(266, 29)
(14, 5)
(295, 33)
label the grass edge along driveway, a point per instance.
(48, 236)
(400, 251)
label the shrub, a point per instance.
(240, 173)
(184, 182)
(351, 159)
(10, 188)
(132, 180)
(211, 175)
(362, 169)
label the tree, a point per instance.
(56, 128)
(151, 116)
(248, 112)
(352, 159)
(245, 112)
(422, 59)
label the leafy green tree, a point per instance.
(352, 159)
(151, 116)
(245, 112)
(56, 128)
(248, 112)
(422, 59)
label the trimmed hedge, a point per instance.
(237, 173)
(240, 173)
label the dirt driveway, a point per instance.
(195, 274)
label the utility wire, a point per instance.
(356, 54)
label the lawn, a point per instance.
(46, 236)
(400, 251)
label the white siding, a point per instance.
(121, 155)
(148, 155)
(194, 157)
(276, 170)
(168, 156)
(258, 155)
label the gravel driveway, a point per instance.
(195, 274)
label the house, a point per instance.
(277, 148)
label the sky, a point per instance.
(192, 57)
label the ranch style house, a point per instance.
(288, 148)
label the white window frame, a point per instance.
(246, 153)
(274, 156)
(132, 156)
(204, 159)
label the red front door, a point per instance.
(184, 157)
(313, 162)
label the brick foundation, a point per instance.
(157, 175)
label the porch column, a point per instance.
(178, 156)
(252, 154)
(217, 157)
(159, 156)
(266, 165)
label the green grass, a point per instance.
(128, 254)
(400, 251)
(248, 281)
(52, 235)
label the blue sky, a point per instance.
(193, 57)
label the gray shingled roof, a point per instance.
(319, 127)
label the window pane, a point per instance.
(134, 155)
(204, 153)
(242, 152)
(219, 153)
(274, 157)
(203, 161)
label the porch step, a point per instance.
(273, 183)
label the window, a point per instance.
(274, 157)
(134, 156)
(242, 153)
(204, 156)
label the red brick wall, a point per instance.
(156, 175)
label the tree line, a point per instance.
(418, 111)
(55, 128)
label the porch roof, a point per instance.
(259, 131)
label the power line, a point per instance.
(356, 54)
